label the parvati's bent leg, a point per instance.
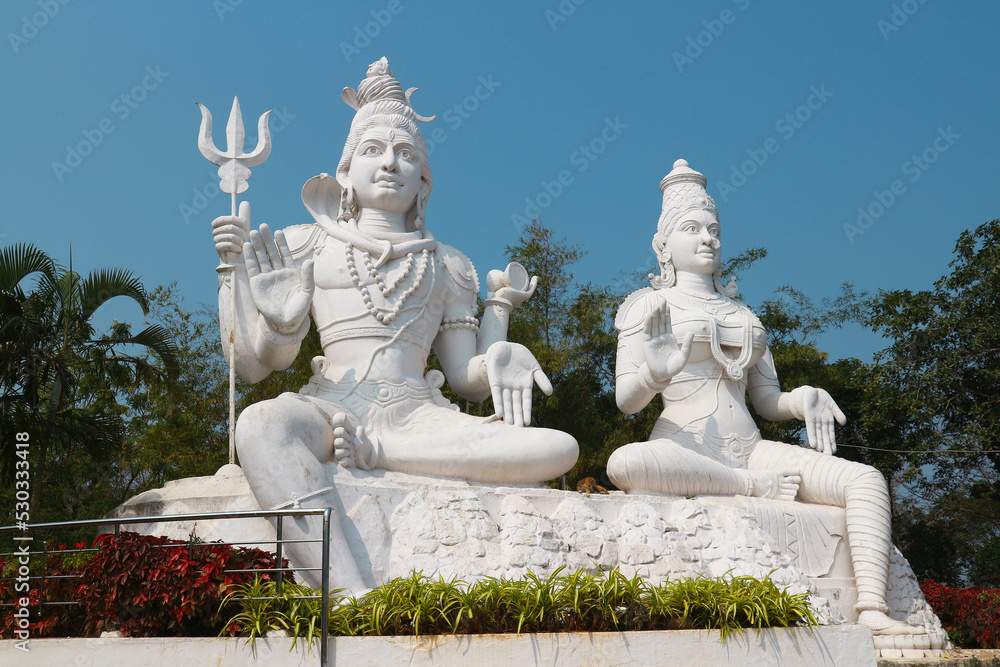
(863, 493)
(662, 466)
(281, 443)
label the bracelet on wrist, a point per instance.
(282, 339)
(648, 382)
(501, 303)
(796, 400)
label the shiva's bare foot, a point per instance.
(351, 447)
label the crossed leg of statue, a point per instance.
(282, 443)
(662, 466)
(862, 492)
(781, 471)
(435, 440)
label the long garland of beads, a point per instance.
(377, 277)
(388, 316)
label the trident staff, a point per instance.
(234, 170)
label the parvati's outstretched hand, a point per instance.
(818, 410)
(280, 290)
(664, 357)
(512, 371)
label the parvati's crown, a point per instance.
(684, 189)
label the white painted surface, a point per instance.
(834, 646)
(226, 491)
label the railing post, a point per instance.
(325, 594)
(45, 563)
(277, 550)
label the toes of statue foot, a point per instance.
(880, 624)
(344, 455)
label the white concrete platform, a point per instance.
(830, 646)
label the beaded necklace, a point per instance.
(387, 290)
(385, 316)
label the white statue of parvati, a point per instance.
(688, 341)
(382, 293)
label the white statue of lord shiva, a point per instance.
(687, 341)
(382, 293)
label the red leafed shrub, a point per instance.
(971, 615)
(140, 585)
(55, 620)
(153, 586)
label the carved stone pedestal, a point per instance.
(396, 524)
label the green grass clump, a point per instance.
(576, 602)
(728, 604)
(263, 610)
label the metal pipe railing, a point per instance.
(242, 514)
(324, 612)
(326, 513)
(278, 524)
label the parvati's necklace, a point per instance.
(720, 309)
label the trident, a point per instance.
(234, 170)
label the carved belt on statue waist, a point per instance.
(730, 450)
(328, 337)
(370, 392)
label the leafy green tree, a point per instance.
(541, 321)
(190, 438)
(570, 330)
(52, 351)
(20, 324)
(925, 413)
(945, 360)
(942, 373)
(794, 323)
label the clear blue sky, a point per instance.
(712, 82)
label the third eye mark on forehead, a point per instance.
(389, 138)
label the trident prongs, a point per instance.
(234, 164)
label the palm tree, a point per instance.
(50, 355)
